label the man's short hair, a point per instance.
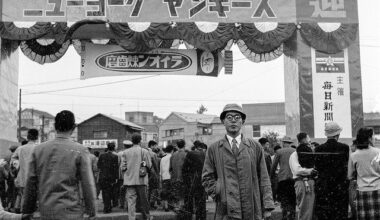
(24, 142)
(151, 143)
(301, 136)
(64, 121)
(111, 146)
(277, 147)
(181, 144)
(96, 153)
(136, 138)
(263, 141)
(32, 134)
(169, 148)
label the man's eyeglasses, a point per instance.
(233, 117)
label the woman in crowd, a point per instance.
(364, 166)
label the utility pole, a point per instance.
(43, 129)
(19, 117)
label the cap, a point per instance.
(332, 129)
(287, 139)
(232, 108)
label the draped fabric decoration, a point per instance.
(328, 42)
(214, 40)
(146, 40)
(257, 41)
(44, 53)
(259, 46)
(9, 30)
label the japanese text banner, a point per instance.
(112, 60)
(331, 92)
(150, 10)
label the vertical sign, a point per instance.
(331, 91)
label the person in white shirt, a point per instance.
(301, 165)
(166, 177)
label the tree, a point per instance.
(273, 138)
(202, 109)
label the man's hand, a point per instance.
(267, 215)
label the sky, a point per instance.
(249, 83)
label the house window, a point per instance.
(256, 131)
(206, 131)
(376, 130)
(131, 119)
(144, 119)
(100, 134)
(174, 132)
(144, 137)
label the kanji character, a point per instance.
(328, 106)
(241, 4)
(264, 7)
(165, 61)
(173, 4)
(334, 5)
(340, 91)
(136, 8)
(156, 61)
(142, 63)
(56, 9)
(327, 95)
(339, 80)
(101, 8)
(327, 85)
(219, 7)
(177, 60)
(199, 7)
(329, 116)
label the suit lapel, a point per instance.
(226, 144)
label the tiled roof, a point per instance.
(193, 117)
(124, 122)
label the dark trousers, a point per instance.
(116, 192)
(287, 196)
(123, 192)
(107, 193)
(197, 197)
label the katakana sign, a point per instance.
(331, 97)
(109, 60)
(179, 10)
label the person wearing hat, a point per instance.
(331, 187)
(285, 188)
(234, 172)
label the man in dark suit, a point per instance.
(108, 175)
(192, 178)
(331, 187)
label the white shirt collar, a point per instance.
(238, 139)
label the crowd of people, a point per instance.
(246, 179)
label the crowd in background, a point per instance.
(325, 181)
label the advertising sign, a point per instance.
(112, 60)
(150, 10)
(98, 143)
(331, 92)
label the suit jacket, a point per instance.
(282, 157)
(240, 186)
(176, 164)
(192, 169)
(108, 165)
(22, 154)
(57, 171)
(131, 162)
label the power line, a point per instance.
(89, 86)
(49, 82)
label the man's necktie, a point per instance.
(235, 149)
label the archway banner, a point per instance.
(112, 60)
(228, 11)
